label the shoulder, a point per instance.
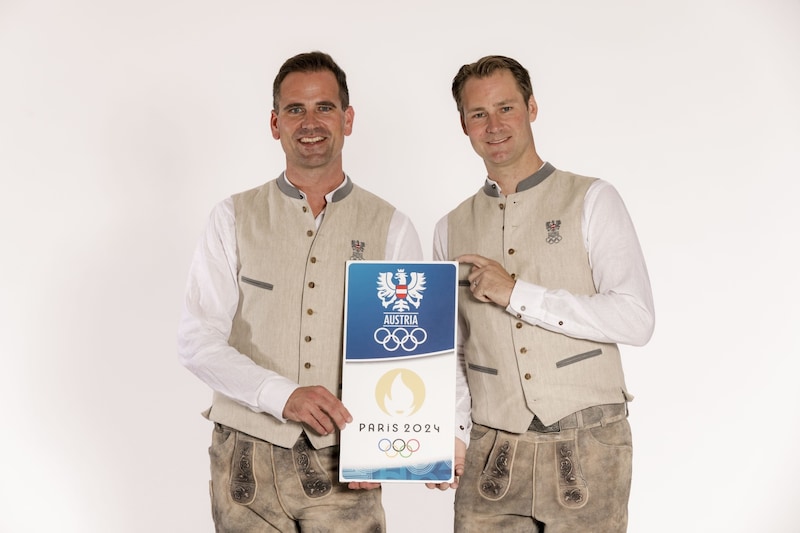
(601, 191)
(362, 195)
(565, 176)
(255, 191)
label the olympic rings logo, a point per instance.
(400, 338)
(393, 448)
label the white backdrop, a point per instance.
(122, 123)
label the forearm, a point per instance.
(229, 372)
(614, 317)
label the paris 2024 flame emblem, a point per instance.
(400, 392)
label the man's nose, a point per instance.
(310, 119)
(492, 124)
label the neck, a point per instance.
(509, 177)
(315, 184)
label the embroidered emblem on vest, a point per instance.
(552, 231)
(358, 250)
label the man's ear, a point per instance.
(273, 125)
(349, 115)
(533, 109)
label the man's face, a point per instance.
(498, 120)
(310, 121)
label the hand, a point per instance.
(362, 485)
(489, 281)
(458, 467)
(317, 408)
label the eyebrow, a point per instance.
(298, 104)
(502, 103)
(474, 109)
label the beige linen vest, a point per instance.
(291, 291)
(515, 369)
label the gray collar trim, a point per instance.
(490, 188)
(293, 192)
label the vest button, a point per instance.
(513, 276)
(511, 251)
(518, 325)
(311, 285)
(528, 376)
(307, 365)
(310, 233)
(308, 338)
(310, 311)
(305, 209)
(502, 206)
(523, 350)
(313, 259)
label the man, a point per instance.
(262, 324)
(556, 279)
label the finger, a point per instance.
(318, 421)
(474, 259)
(328, 410)
(317, 408)
(363, 485)
(440, 486)
(338, 414)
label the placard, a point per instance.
(398, 374)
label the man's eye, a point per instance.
(478, 115)
(295, 110)
(506, 109)
(325, 108)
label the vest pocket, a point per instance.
(484, 369)
(578, 358)
(262, 284)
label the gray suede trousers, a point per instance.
(257, 486)
(576, 480)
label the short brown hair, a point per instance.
(485, 67)
(311, 62)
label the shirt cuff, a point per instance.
(527, 301)
(274, 394)
(463, 430)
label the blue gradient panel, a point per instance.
(373, 303)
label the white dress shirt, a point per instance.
(212, 296)
(621, 311)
